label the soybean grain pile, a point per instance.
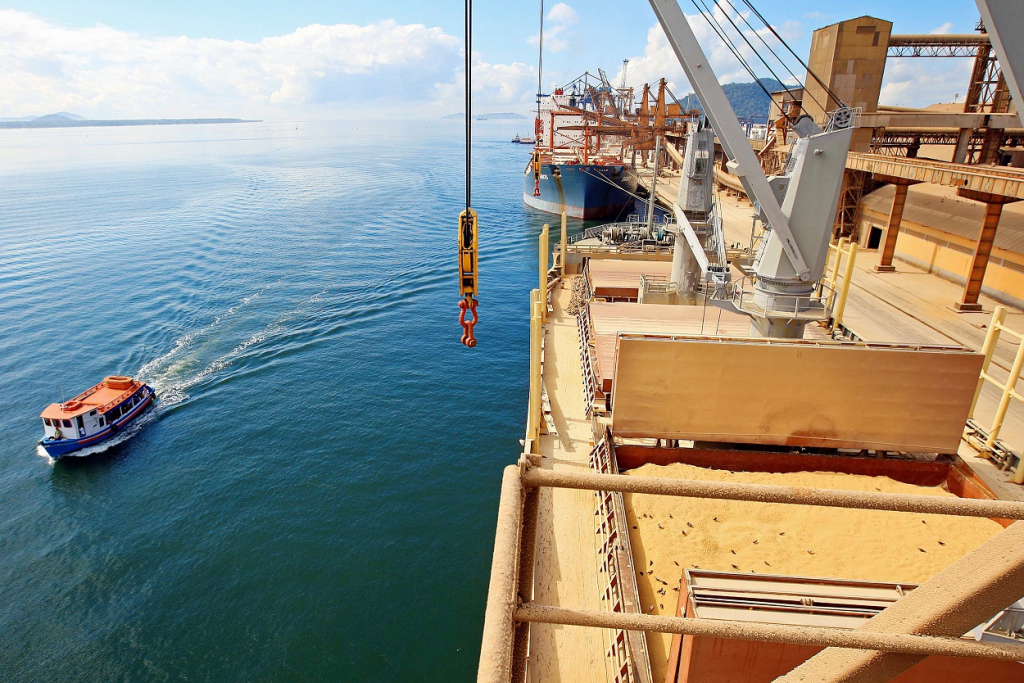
(669, 535)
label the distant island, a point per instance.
(495, 115)
(748, 100)
(67, 120)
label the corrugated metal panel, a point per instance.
(941, 209)
(792, 600)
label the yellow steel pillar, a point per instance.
(543, 248)
(532, 425)
(564, 239)
(833, 273)
(844, 292)
(536, 369)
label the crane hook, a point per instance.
(468, 304)
(468, 254)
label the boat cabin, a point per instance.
(95, 411)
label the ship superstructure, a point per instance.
(575, 168)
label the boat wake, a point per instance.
(194, 359)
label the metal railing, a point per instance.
(511, 610)
(606, 249)
(626, 650)
(783, 306)
(990, 446)
(843, 247)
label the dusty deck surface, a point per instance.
(614, 275)
(566, 570)
(609, 319)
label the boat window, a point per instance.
(101, 422)
(46, 421)
(67, 423)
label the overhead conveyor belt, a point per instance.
(1001, 181)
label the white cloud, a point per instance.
(104, 72)
(911, 82)
(557, 25)
(494, 85)
(659, 60)
(562, 14)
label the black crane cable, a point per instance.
(540, 64)
(774, 54)
(804, 64)
(708, 15)
(746, 40)
(469, 100)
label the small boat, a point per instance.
(94, 415)
(523, 141)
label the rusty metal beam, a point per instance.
(967, 45)
(969, 592)
(858, 639)
(982, 248)
(524, 584)
(760, 493)
(892, 231)
(496, 649)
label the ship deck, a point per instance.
(566, 555)
(910, 307)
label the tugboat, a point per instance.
(523, 141)
(93, 416)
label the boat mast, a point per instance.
(540, 69)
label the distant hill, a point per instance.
(66, 120)
(60, 114)
(495, 115)
(747, 99)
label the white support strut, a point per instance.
(1004, 21)
(691, 238)
(726, 124)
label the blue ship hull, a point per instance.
(56, 448)
(587, 191)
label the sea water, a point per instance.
(314, 496)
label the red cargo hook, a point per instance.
(468, 304)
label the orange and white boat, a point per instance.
(94, 415)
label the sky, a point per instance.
(392, 58)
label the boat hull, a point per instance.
(587, 191)
(57, 448)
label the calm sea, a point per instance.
(314, 498)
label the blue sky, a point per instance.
(327, 59)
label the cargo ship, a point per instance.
(575, 168)
(93, 416)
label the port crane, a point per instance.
(698, 254)
(797, 207)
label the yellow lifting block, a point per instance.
(468, 248)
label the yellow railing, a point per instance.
(533, 417)
(996, 329)
(835, 260)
